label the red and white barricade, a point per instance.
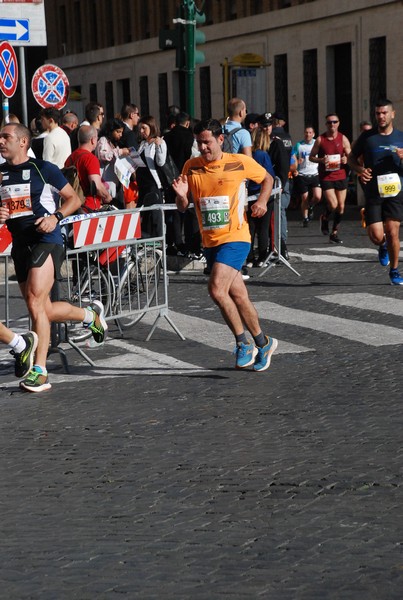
(100, 229)
(5, 240)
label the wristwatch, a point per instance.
(59, 216)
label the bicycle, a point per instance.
(126, 279)
(138, 288)
(83, 282)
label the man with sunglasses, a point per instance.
(377, 158)
(330, 151)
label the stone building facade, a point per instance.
(305, 58)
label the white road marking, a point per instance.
(336, 254)
(136, 361)
(389, 306)
(371, 334)
(346, 250)
(324, 258)
(211, 333)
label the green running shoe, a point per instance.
(99, 326)
(24, 360)
(35, 382)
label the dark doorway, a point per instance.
(339, 86)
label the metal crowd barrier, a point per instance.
(107, 259)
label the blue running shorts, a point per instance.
(232, 254)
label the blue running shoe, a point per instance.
(245, 355)
(263, 358)
(383, 254)
(395, 278)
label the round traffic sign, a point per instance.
(50, 87)
(8, 70)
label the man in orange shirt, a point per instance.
(215, 182)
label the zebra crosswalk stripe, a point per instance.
(212, 333)
(382, 304)
(371, 334)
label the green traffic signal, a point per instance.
(200, 38)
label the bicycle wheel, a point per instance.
(127, 295)
(139, 286)
(89, 283)
(150, 266)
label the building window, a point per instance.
(377, 71)
(144, 99)
(339, 85)
(78, 34)
(110, 34)
(257, 7)
(123, 91)
(145, 20)
(311, 105)
(63, 29)
(163, 98)
(93, 92)
(281, 84)
(205, 93)
(165, 22)
(94, 26)
(109, 107)
(231, 11)
(127, 23)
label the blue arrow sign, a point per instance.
(13, 30)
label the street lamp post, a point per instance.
(193, 16)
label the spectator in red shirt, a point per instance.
(88, 167)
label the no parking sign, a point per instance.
(50, 87)
(8, 70)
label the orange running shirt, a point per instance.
(218, 191)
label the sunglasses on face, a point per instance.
(331, 122)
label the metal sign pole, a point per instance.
(5, 108)
(23, 76)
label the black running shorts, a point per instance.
(339, 184)
(304, 183)
(378, 210)
(33, 257)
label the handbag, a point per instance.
(167, 172)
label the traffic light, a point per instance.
(193, 37)
(180, 36)
(199, 37)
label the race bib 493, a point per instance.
(214, 212)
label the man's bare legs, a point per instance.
(229, 292)
(36, 290)
(310, 200)
(390, 229)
